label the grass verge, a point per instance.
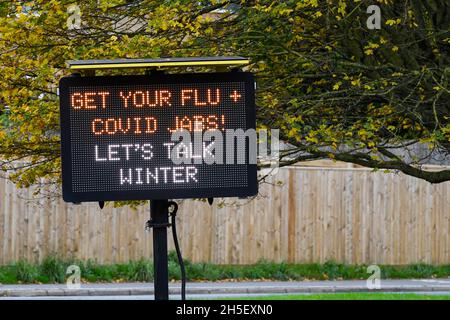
(53, 270)
(350, 296)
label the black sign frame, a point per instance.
(73, 81)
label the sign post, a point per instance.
(159, 216)
(158, 137)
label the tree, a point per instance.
(334, 88)
(37, 37)
(340, 90)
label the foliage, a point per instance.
(339, 90)
(53, 270)
(335, 88)
(25, 272)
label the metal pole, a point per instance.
(159, 214)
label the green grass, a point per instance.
(53, 270)
(350, 296)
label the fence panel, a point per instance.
(303, 214)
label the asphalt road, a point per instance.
(206, 290)
(177, 297)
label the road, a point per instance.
(205, 290)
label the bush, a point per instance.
(25, 272)
(141, 271)
(53, 269)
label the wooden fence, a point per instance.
(303, 214)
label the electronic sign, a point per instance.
(161, 136)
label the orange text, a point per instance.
(88, 100)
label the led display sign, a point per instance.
(157, 136)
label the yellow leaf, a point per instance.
(392, 22)
(356, 82)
